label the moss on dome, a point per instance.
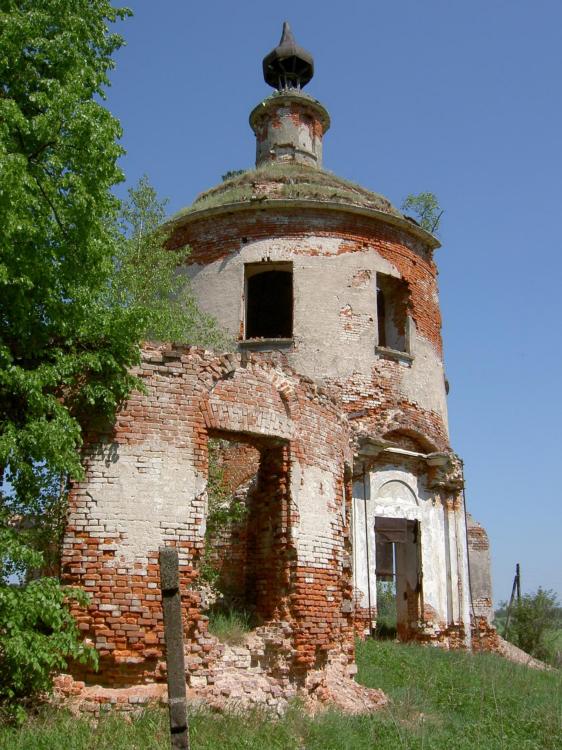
(285, 181)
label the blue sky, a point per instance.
(459, 98)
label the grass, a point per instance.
(231, 626)
(288, 180)
(439, 701)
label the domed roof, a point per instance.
(288, 64)
(289, 126)
(286, 181)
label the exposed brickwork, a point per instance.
(289, 127)
(155, 457)
(218, 237)
(479, 557)
(383, 409)
(239, 463)
(484, 636)
(478, 538)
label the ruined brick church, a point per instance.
(331, 418)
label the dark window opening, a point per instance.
(381, 317)
(269, 304)
(392, 312)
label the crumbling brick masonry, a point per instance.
(335, 416)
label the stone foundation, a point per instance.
(255, 673)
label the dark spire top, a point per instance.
(288, 66)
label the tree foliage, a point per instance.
(427, 209)
(37, 632)
(63, 350)
(146, 275)
(535, 623)
(82, 282)
(225, 509)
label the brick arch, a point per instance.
(251, 400)
(282, 384)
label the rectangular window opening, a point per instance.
(269, 301)
(392, 313)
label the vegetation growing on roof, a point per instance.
(288, 180)
(232, 173)
(427, 210)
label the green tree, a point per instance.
(427, 209)
(63, 350)
(146, 275)
(535, 623)
(37, 632)
(82, 282)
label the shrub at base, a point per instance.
(535, 624)
(38, 635)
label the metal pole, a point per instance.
(173, 636)
(518, 579)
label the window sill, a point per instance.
(394, 354)
(266, 343)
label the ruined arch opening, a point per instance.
(410, 440)
(243, 567)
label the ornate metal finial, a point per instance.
(288, 66)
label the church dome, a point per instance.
(285, 181)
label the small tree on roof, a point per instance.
(427, 209)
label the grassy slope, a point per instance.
(439, 700)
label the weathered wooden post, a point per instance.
(515, 588)
(173, 634)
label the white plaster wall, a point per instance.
(286, 138)
(364, 581)
(335, 328)
(143, 496)
(414, 503)
(424, 382)
(313, 494)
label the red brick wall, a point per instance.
(187, 393)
